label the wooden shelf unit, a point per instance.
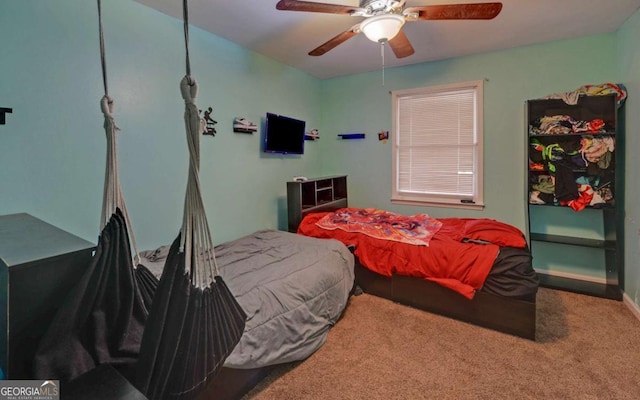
(607, 218)
(314, 194)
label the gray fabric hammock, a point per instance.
(195, 322)
(113, 199)
(102, 319)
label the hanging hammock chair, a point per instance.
(195, 321)
(103, 318)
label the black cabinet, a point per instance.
(39, 265)
(314, 195)
(575, 194)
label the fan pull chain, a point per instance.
(382, 55)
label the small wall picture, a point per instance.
(383, 136)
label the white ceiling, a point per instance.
(287, 36)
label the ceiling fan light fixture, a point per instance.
(382, 28)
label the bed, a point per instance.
(467, 277)
(293, 289)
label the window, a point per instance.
(437, 145)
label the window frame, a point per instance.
(476, 202)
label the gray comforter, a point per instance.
(293, 289)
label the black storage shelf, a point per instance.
(573, 241)
(594, 134)
(606, 206)
(611, 212)
(587, 108)
(314, 195)
(582, 287)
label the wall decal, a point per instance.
(209, 122)
(243, 125)
(312, 135)
(3, 111)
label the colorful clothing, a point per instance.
(565, 124)
(593, 90)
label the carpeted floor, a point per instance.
(586, 348)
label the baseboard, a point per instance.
(579, 277)
(635, 309)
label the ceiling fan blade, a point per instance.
(400, 45)
(333, 42)
(310, 6)
(455, 11)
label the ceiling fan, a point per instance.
(385, 18)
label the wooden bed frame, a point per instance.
(512, 316)
(503, 314)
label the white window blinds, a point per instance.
(437, 144)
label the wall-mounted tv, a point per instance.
(283, 135)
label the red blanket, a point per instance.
(453, 259)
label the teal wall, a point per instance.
(53, 145)
(359, 103)
(629, 64)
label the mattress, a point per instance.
(512, 275)
(465, 255)
(293, 289)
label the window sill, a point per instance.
(424, 203)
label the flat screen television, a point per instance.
(284, 135)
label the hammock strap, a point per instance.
(196, 240)
(112, 196)
(185, 21)
(102, 52)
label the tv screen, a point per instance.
(283, 135)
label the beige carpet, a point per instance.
(586, 348)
